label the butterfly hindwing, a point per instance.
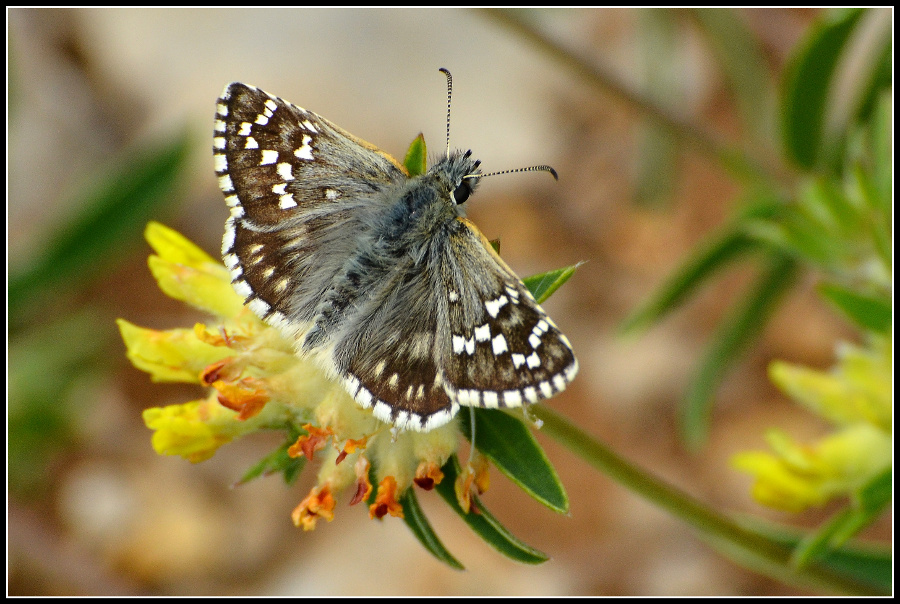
(504, 350)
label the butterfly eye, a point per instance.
(462, 192)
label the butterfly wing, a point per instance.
(296, 185)
(504, 351)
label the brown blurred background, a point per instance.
(98, 512)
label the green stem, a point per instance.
(742, 545)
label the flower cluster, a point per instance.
(255, 381)
(855, 396)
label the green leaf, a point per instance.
(869, 312)
(112, 216)
(719, 251)
(868, 505)
(509, 444)
(732, 336)
(418, 523)
(484, 524)
(543, 285)
(278, 461)
(48, 365)
(881, 135)
(867, 564)
(808, 81)
(722, 248)
(416, 161)
(660, 59)
(742, 61)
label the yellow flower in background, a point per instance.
(257, 382)
(855, 396)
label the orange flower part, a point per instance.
(428, 474)
(314, 439)
(318, 504)
(363, 486)
(214, 371)
(473, 480)
(350, 447)
(242, 396)
(386, 500)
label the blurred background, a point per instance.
(110, 117)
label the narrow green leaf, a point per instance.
(416, 161)
(484, 524)
(113, 214)
(278, 461)
(742, 61)
(415, 519)
(543, 285)
(745, 546)
(881, 134)
(733, 335)
(703, 263)
(722, 248)
(864, 70)
(659, 65)
(824, 196)
(867, 564)
(869, 312)
(811, 242)
(45, 363)
(808, 80)
(509, 444)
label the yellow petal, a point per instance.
(183, 430)
(207, 287)
(798, 476)
(174, 355)
(175, 247)
(835, 396)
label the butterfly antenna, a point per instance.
(529, 169)
(449, 94)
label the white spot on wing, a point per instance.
(259, 307)
(284, 171)
(512, 398)
(225, 184)
(499, 344)
(305, 152)
(493, 306)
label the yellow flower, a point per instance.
(256, 382)
(856, 397)
(193, 430)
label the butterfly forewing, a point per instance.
(294, 195)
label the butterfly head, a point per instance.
(456, 176)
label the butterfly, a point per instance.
(375, 275)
